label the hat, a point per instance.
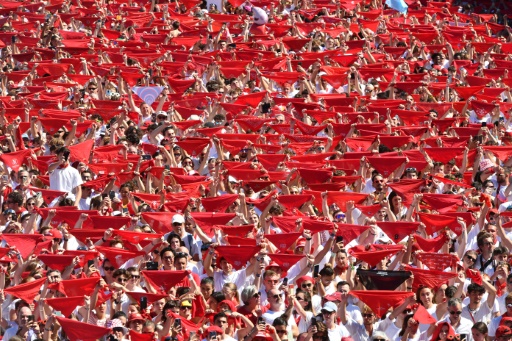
(330, 307)
(135, 317)
(378, 335)
(9, 211)
(333, 297)
(272, 264)
(229, 303)
(178, 218)
(505, 319)
(116, 323)
(185, 303)
(161, 113)
(55, 233)
(301, 242)
(503, 331)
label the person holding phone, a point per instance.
(65, 178)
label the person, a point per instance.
(461, 325)
(65, 178)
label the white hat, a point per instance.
(377, 335)
(178, 218)
(330, 307)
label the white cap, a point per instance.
(330, 307)
(178, 218)
(378, 335)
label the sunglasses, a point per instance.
(109, 268)
(277, 296)
(367, 315)
(136, 276)
(471, 259)
(306, 285)
(185, 308)
(256, 295)
(456, 312)
(122, 280)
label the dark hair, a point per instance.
(165, 249)
(327, 271)
(207, 280)
(481, 327)
(119, 314)
(280, 321)
(218, 316)
(218, 296)
(16, 197)
(405, 323)
(307, 298)
(473, 287)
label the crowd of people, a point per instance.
(256, 171)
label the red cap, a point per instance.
(230, 304)
(135, 317)
(503, 331)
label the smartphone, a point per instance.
(316, 270)
(146, 157)
(313, 321)
(30, 318)
(291, 289)
(90, 263)
(212, 335)
(339, 239)
(167, 167)
(151, 265)
(261, 320)
(484, 124)
(479, 138)
(177, 322)
(143, 303)
(285, 281)
(13, 39)
(66, 155)
(104, 195)
(112, 195)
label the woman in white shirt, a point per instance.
(302, 310)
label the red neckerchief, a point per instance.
(64, 165)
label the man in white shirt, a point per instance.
(477, 310)
(461, 325)
(358, 331)
(65, 178)
(334, 330)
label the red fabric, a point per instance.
(315, 176)
(436, 222)
(431, 244)
(294, 201)
(285, 261)
(159, 221)
(48, 194)
(81, 151)
(66, 305)
(240, 241)
(118, 256)
(238, 231)
(397, 231)
(207, 220)
(474, 275)
(105, 222)
(380, 301)
(437, 261)
(109, 153)
(56, 262)
(25, 243)
(350, 232)
(136, 237)
(429, 278)
(283, 241)
(134, 336)
(165, 280)
(136, 295)
(375, 254)
(443, 202)
(26, 291)
(286, 223)
(193, 147)
(502, 152)
(15, 159)
(443, 154)
(76, 287)
(482, 108)
(407, 188)
(84, 256)
(369, 211)
(79, 331)
(237, 256)
(423, 316)
(386, 165)
(220, 203)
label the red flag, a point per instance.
(159, 221)
(407, 188)
(502, 152)
(166, 280)
(79, 331)
(443, 155)
(423, 316)
(436, 222)
(283, 241)
(66, 305)
(15, 159)
(76, 287)
(437, 261)
(398, 230)
(237, 231)
(135, 237)
(105, 222)
(443, 202)
(56, 262)
(207, 220)
(134, 336)
(386, 165)
(237, 256)
(118, 256)
(136, 295)
(26, 291)
(373, 257)
(429, 278)
(81, 151)
(220, 203)
(25, 243)
(284, 260)
(431, 244)
(380, 301)
(350, 232)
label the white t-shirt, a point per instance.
(65, 180)
(236, 277)
(337, 333)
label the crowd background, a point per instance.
(266, 170)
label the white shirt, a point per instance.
(337, 333)
(464, 327)
(236, 277)
(65, 180)
(358, 330)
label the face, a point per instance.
(455, 312)
(135, 277)
(108, 268)
(206, 290)
(275, 297)
(341, 259)
(178, 228)
(222, 322)
(327, 280)
(426, 296)
(368, 318)
(228, 292)
(475, 297)
(25, 314)
(281, 331)
(487, 244)
(136, 325)
(397, 201)
(24, 178)
(307, 285)
(477, 336)
(271, 282)
(378, 183)
(225, 266)
(185, 311)
(158, 305)
(168, 259)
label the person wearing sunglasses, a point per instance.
(358, 331)
(485, 262)
(276, 299)
(302, 311)
(133, 283)
(461, 325)
(251, 299)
